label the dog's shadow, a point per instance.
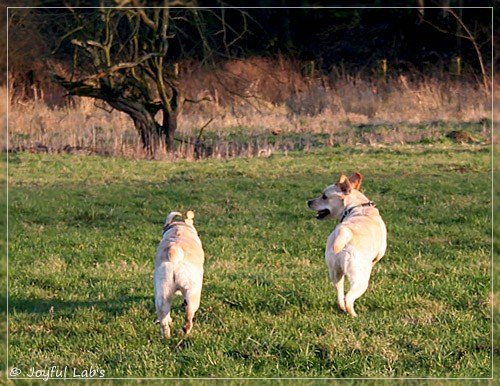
(117, 306)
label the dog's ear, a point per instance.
(171, 216)
(355, 180)
(189, 217)
(344, 185)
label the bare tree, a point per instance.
(462, 31)
(128, 57)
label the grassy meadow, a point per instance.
(83, 232)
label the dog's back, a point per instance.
(366, 232)
(179, 268)
(181, 242)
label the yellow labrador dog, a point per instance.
(178, 269)
(358, 241)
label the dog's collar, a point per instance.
(347, 212)
(166, 228)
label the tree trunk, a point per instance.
(150, 135)
(150, 131)
(169, 129)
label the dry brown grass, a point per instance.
(496, 109)
(3, 117)
(259, 106)
(84, 126)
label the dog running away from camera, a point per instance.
(358, 241)
(178, 270)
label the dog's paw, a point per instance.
(165, 332)
(350, 310)
(186, 329)
(341, 304)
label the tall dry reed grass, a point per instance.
(3, 117)
(280, 111)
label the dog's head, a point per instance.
(332, 202)
(173, 215)
(171, 222)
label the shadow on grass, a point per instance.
(116, 306)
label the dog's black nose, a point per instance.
(309, 202)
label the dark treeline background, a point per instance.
(287, 53)
(359, 37)
(356, 35)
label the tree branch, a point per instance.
(120, 66)
(472, 39)
(64, 37)
(150, 23)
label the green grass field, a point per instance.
(83, 232)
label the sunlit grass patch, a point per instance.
(84, 230)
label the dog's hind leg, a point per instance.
(163, 302)
(337, 278)
(163, 298)
(165, 321)
(358, 286)
(191, 305)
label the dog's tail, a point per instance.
(344, 235)
(175, 254)
(171, 217)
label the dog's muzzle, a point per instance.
(320, 214)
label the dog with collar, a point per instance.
(178, 269)
(358, 241)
